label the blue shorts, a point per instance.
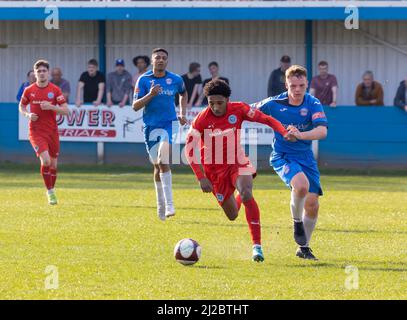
(288, 165)
(155, 134)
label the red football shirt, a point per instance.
(220, 136)
(33, 95)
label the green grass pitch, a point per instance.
(106, 242)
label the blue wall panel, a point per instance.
(12, 149)
(365, 137)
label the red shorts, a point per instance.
(45, 142)
(224, 181)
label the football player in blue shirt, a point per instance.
(155, 91)
(304, 117)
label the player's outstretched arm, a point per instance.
(255, 115)
(318, 133)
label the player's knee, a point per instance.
(300, 185)
(46, 162)
(232, 216)
(163, 167)
(246, 194)
(301, 190)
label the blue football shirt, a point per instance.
(305, 117)
(161, 109)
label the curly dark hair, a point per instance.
(217, 87)
(145, 58)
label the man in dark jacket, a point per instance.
(276, 84)
(400, 100)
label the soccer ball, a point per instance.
(187, 252)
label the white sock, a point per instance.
(166, 180)
(297, 207)
(309, 226)
(51, 191)
(159, 192)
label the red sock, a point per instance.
(238, 201)
(253, 220)
(46, 175)
(53, 172)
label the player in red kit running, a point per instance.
(216, 131)
(46, 101)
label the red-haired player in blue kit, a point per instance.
(225, 166)
(304, 117)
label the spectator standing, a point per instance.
(369, 92)
(193, 83)
(276, 83)
(92, 82)
(63, 84)
(400, 100)
(324, 86)
(214, 72)
(30, 80)
(118, 85)
(141, 63)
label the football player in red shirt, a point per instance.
(216, 132)
(46, 101)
